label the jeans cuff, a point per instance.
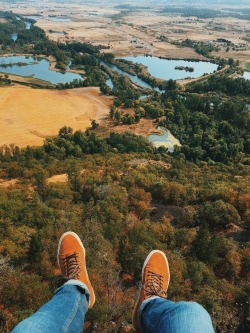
(78, 284)
(141, 309)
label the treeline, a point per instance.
(222, 84)
(185, 11)
(206, 13)
(4, 80)
(199, 47)
(93, 77)
(77, 144)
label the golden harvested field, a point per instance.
(28, 115)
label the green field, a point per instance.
(248, 66)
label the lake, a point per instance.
(166, 139)
(165, 68)
(38, 68)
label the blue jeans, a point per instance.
(65, 313)
(159, 315)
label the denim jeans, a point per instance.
(64, 313)
(159, 315)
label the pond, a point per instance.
(14, 36)
(246, 75)
(38, 68)
(58, 19)
(165, 69)
(166, 139)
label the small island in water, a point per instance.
(184, 68)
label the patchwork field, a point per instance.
(137, 32)
(28, 115)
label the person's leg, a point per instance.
(153, 313)
(159, 315)
(65, 312)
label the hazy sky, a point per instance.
(140, 2)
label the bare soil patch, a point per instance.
(144, 127)
(27, 116)
(7, 183)
(62, 178)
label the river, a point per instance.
(134, 78)
(27, 27)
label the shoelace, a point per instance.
(72, 266)
(154, 286)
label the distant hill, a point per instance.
(146, 2)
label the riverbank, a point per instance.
(35, 114)
(28, 81)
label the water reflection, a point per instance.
(165, 68)
(14, 36)
(38, 68)
(109, 83)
